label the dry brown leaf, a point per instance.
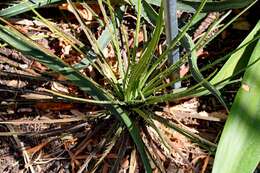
(125, 163)
(184, 70)
(85, 13)
(105, 168)
(37, 147)
(54, 106)
(36, 96)
(59, 87)
(38, 66)
(13, 83)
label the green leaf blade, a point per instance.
(25, 6)
(238, 150)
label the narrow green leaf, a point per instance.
(98, 102)
(135, 134)
(104, 69)
(25, 6)
(37, 52)
(236, 62)
(147, 118)
(192, 5)
(192, 59)
(108, 148)
(136, 79)
(26, 46)
(218, 5)
(172, 45)
(102, 41)
(145, 10)
(174, 94)
(195, 138)
(115, 40)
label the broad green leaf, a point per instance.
(238, 150)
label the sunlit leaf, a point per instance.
(238, 150)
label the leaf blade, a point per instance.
(240, 139)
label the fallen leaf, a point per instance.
(59, 87)
(36, 96)
(54, 106)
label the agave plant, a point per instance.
(139, 83)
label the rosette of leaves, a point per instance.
(130, 95)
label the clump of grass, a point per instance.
(135, 86)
